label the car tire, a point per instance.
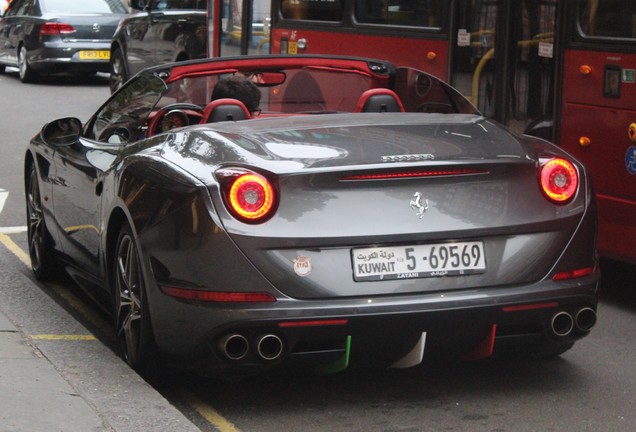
(43, 262)
(27, 74)
(118, 74)
(132, 320)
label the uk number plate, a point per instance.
(94, 55)
(418, 261)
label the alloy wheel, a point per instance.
(129, 288)
(117, 71)
(35, 224)
(25, 72)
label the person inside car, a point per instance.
(240, 88)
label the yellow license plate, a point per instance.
(94, 55)
(292, 48)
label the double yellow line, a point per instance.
(204, 410)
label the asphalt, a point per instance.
(56, 376)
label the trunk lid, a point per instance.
(348, 190)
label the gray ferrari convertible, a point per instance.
(347, 212)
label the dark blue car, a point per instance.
(49, 36)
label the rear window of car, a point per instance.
(82, 6)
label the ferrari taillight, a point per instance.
(250, 197)
(559, 180)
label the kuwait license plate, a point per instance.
(94, 55)
(418, 261)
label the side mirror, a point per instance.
(62, 132)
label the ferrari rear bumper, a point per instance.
(543, 318)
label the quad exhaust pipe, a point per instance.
(269, 347)
(235, 346)
(585, 319)
(563, 323)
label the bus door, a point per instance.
(598, 120)
(406, 32)
(504, 59)
(239, 27)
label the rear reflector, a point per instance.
(218, 296)
(313, 323)
(532, 306)
(573, 274)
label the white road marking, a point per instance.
(12, 230)
(3, 197)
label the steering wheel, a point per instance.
(155, 121)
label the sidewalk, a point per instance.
(33, 395)
(55, 386)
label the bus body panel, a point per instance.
(598, 126)
(430, 55)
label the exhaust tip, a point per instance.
(585, 319)
(562, 324)
(269, 347)
(234, 346)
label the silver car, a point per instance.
(354, 213)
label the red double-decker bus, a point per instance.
(560, 69)
(597, 120)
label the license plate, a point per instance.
(418, 261)
(94, 55)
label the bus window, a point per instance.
(504, 60)
(412, 13)
(254, 15)
(608, 18)
(314, 10)
(405, 32)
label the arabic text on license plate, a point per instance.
(418, 261)
(94, 55)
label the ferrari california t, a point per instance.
(360, 214)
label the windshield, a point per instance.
(123, 117)
(83, 6)
(421, 92)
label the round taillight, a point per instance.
(559, 180)
(251, 197)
